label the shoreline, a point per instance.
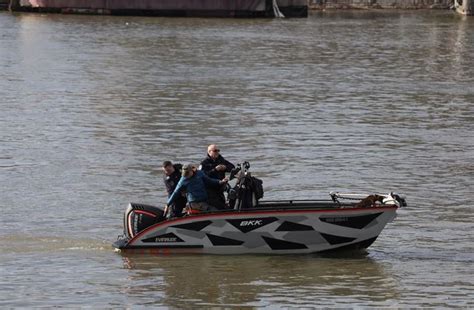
(245, 9)
(289, 10)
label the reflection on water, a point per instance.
(260, 280)
(349, 101)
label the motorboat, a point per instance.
(254, 226)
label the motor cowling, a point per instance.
(138, 217)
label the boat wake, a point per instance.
(22, 244)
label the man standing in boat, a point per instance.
(215, 166)
(171, 176)
(194, 182)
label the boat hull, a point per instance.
(298, 231)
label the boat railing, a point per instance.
(299, 203)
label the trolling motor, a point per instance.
(370, 200)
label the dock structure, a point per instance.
(380, 4)
(178, 8)
(4, 4)
(464, 7)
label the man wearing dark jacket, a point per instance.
(215, 166)
(171, 176)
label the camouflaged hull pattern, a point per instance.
(264, 232)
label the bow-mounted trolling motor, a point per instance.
(371, 200)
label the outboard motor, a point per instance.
(137, 217)
(247, 191)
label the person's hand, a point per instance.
(221, 168)
(223, 181)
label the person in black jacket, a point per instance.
(215, 166)
(171, 176)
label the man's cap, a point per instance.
(188, 170)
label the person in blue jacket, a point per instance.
(194, 182)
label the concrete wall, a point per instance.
(292, 2)
(379, 4)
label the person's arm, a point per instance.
(177, 191)
(169, 188)
(223, 167)
(229, 166)
(208, 168)
(212, 181)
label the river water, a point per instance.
(349, 101)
